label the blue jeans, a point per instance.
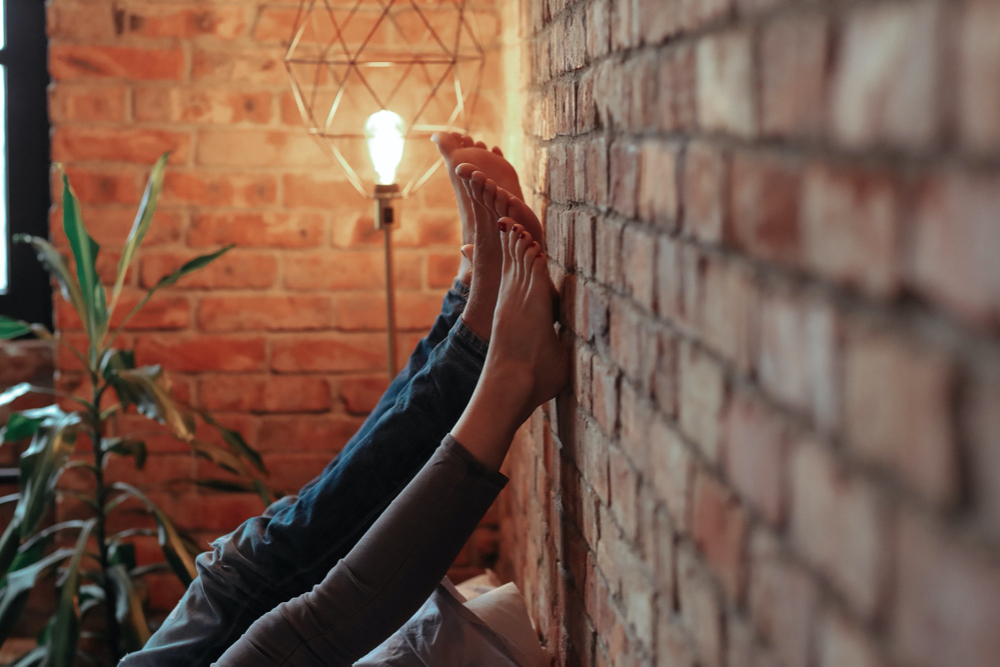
(269, 560)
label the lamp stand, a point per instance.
(386, 219)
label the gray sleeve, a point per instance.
(385, 577)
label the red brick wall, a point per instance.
(284, 336)
(775, 226)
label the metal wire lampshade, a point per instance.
(420, 59)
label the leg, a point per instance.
(269, 560)
(393, 569)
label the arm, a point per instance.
(386, 577)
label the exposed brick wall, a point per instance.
(284, 336)
(774, 225)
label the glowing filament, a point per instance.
(385, 132)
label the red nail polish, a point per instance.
(534, 243)
(521, 235)
(503, 226)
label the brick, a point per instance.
(110, 225)
(258, 148)
(978, 77)
(604, 394)
(639, 247)
(633, 345)
(664, 381)
(719, 530)
(981, 421)
(159, 470)
(338, 270)
(841, 643)
(955, 230)
(623, 489)
(784, 601)
(315, 190)
(184, 105)
(943, 592)
(725, 84)
(234, 269)
(677, 89)
(153, 22)
(608, 237)
(271, 229)
(656, 20)
(658, 185)
(366, 311)
(700, 608)
(266, 313)
(596, 171)
(850, 227)
(279, 393)
(161, 312)
(671, 472)
(241, 67)
(326, 433)
(104, 186)
(598, 29)
(897, 397)
(361, 394)
(203, 188)
(70, 102)
(330, 353)
(442, 269)
(839, 524)
(702, 397)
(794, 75)
(668, 278)
(885, 85)
(79, 61)
(728, 309)
(764, 201)
(798, 353)
(202, 353)
(703, 181)
(583, 243)
(755, 456)
(228, 510)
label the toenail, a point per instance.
(503, 226)
(521, 235)
(534, 243)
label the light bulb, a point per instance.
(385, 131)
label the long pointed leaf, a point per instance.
(128, 610)
(66, 624)
(53, 262)
(85, 251)
(11, 328)
(181, 562)
(41, 464)
(19, 585)
(141, 225)
(235, 441)
(20, 427)
(13, 393)
(10, 541)
(142, 386)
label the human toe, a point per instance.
(465, 170)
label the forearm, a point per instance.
(386, 577)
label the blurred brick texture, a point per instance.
(774, 225)
(284, 336)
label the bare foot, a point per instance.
(456, 149)
(523, 334)
(526, 365)
(497, 200)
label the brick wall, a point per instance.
(284, 336)
(774, 226)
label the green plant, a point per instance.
(99, 572)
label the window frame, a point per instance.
(25, 60)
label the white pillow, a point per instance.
(504, 611)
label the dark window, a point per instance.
(24, 159)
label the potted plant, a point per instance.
(97, 572)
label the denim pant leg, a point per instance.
(451, 310)
(270, 560)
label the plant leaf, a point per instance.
(220, 457)
(124, 447)
(66, 623)
(11, 328)
(53, 262)
(41, 464)
(181, 562)
(141, 225)
(10, 541)
(128, 610)
(20, 427)
(14, 393)
(142, 386)
(19, 584)
(35, 656)
(85, 251)
(197, 263)
(235, 441)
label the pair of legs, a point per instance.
(392, 570)
(269, 560)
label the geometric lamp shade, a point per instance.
(420, 59)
